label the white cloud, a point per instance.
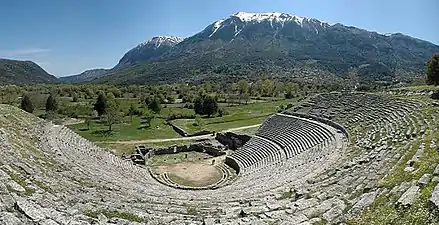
(23, 52)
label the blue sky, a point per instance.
(69, 36)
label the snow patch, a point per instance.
(272, 17)
(216, 27)
(157, 41)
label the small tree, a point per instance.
(116, 92)
(111, 114)
(148, 116)
(155, 105)
(433, 70)
(74, 97)
(171, 99)
(132, 111)
(198, 106)
(27, 104)
(210, 106)
(51, 104)
(101, 104)
(198, 121)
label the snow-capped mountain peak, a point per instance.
(240, 21)
(274, 17)
(157, 41)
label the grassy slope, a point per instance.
(384, 211)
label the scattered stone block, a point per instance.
(434, 199)
(409, 196)
(409, 169)
(423, 180)
(436, 170)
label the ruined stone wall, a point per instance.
(233, 164)
(211, 150)
(231, 140)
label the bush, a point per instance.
(435, 95)
(188, 106)
(179, 115)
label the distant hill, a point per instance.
(143, 52)
(23, 72)
(276, 44)
(84, 76)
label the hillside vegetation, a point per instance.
(23, 72)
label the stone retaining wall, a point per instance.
(231, 140)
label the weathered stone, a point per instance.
(315, 220)
(332, 214)
(434, 199)
(296, 219)
(409, 196)
(424, 180)
(436, 170)
(48, 222)
(15, 186)
(365, 201)
(30, 209)
(302, 203)
(273, 206)
(409, 169)
(8, 218)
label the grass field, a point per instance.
(236, 116)
(125, 131)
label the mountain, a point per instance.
(143, 52)
(148, 50)
(281, 45)
(85, 76)
(23, 72)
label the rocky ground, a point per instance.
(385, 172)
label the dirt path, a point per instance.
(207, 136)
(242, 128)
(72, 121)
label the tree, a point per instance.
(210, 106)
(155, 105)
(101, 104)
(291, 90)
(51, 104)
(148, 116)
(27, 104)
(111, 114)
(267, 88)
(433, 70)
(198, 106)
(243, 90)
(75, 97)
(171, 99)
(51, 107)
(198, 121)
(245, 97)
(116, 92)
(132, 111)
(242, 86)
